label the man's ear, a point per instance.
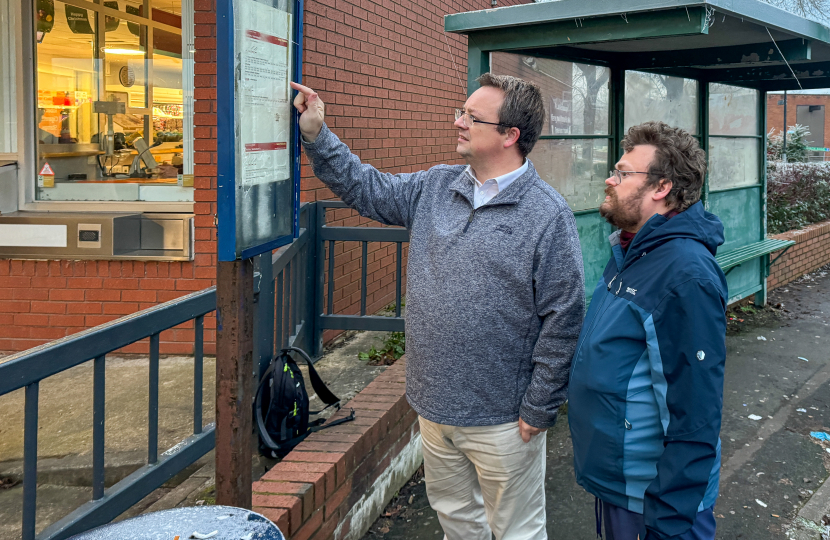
(512, 137)
(663, 189)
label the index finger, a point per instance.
(304, 89)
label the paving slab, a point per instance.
(65, 419)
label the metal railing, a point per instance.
(284, 285)
(28, 368)
(328, 320)
(290, 291)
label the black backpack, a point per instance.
(281, 407)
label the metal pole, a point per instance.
(30, 460)
(784, 145)
(234, 381)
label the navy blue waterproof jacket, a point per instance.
(646, 386)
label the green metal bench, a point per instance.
(729, 260)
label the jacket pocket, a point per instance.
(598, 432)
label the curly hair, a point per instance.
(678, 159)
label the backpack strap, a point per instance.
(325, 395)
(318, 425)
(260, 421)
(320, 388)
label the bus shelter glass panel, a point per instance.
(576, 168)
(651, 96)
(575, 95)
(576, 99)
(732, 110)
(734, 138)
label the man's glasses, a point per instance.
(619, 176)
(469, 119)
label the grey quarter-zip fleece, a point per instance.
(495, 296)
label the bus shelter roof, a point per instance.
(741, 42)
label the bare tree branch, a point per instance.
(813, 9)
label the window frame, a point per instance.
(15, 15)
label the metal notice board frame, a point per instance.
(260, 214)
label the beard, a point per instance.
(622, 214)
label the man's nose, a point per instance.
(611, 181)
(459, 123)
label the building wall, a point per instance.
(390, 77)
(775, 112)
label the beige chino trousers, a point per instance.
(485, 480)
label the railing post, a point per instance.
(398, 278)
(234, 381)
(153, 403)
(319, 219)
(198, 373)
(30, 461)
(309, 314)
(264, 316)
(98, 419)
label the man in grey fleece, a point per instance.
(495, 300)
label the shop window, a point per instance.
(572, 153)
(735, 141)
(111, 101)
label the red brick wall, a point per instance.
(810, 252)
(45, 300)
(390, 77)
(775, 112)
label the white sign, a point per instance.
(25, 235)
(263, 39)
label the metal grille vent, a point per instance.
(89, 236)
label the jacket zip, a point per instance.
(592, 326)
(469, 220)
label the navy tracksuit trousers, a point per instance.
(622, 524)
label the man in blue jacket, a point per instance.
(646, 386)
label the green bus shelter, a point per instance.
(704, 66)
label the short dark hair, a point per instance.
(679, 159)
(523, 108)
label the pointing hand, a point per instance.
(312, 111)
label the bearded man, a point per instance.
(646, 386)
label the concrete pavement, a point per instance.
(773, 478)
(65, 430)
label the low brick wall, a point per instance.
(811, 251)
(335, 484)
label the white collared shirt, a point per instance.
(482, 193)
